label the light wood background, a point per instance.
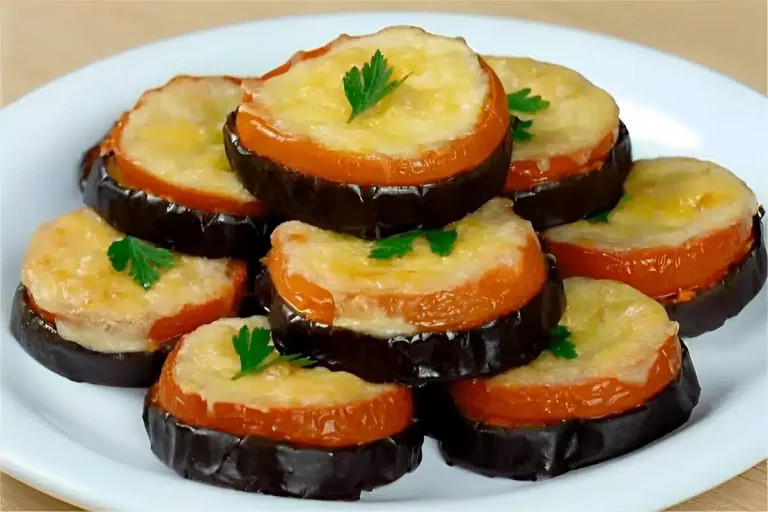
(42, 39)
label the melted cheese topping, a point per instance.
(579, 115)
(667, 202)
(491, 237)
(440, 101)
(175, 134)
(617, 332)
(206, 362)
(68, 273)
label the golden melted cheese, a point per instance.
(68, 273)
(206, 362)
(579, 115)
(667, 202)
(491, 237)
(176, 135)
(440, 101)
(617, 332)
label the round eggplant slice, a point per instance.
(538, 453)
(681, 227)
(40, 340)
(383, 171)
(279, 427)
(572, 153)
(256, 464)
(513, 340)
(710, 308)
(578, 196)
(172, 225)
(369, 212)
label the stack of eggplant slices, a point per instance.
(384, 238)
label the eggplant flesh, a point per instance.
(366, 211)
(710, 309)
(540, 453)
(172, 225)
(257, 464)
(42, 341)
(413, 360)
(579, 196)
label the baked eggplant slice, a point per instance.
(276, 428)
(616, 378)
(86, 164)
(163, 175)
(683, 226)
(432, 151)
(40, 339)
(173, 225)
(483, 306)
(572, 153)
(710, 308)
(81, 318)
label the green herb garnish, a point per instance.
(365, 89)
(520, 101)
(146, 260)
(560, 343)
(397, 246)
(521, 133)
(256, 354)
(601, 217)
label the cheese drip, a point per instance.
(617, 332)
(175, 134)
(440, 101)
(579, 115)
(68, 273)
(207, 360)
(668, 201)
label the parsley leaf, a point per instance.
(365, 89)
(441, 242)
(560, 343)
(397, 246)
(521, 133)
(256, 354)
(520, 102)
(599, 218)
(145, 260)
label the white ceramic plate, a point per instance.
(86, 444)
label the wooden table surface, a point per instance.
(42, 39)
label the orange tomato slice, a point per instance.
(334, 425)
(168, 329)
(131, 174)
(496, 293)
(525, 174)
(259, 133)
(661, 272)
(545, 405)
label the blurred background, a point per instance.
(43, 39)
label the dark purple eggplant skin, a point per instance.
(710, 309)
(579, 196)
(40, 340)
(172, 225)
(546, 452)
(257, 464)
(366, 211)
(86, 164)
(423, 358)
